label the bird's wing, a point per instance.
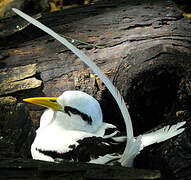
(162, 134)
(87, 149)
(119, 99)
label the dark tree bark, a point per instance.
(24, 169)
(146, 51)
(16, 129)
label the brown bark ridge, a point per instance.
(146, 53)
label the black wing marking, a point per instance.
(115, 134)
(89, 148)
(72, 110)
(110, 131)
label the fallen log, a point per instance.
(34, 169)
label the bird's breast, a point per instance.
(58, 139)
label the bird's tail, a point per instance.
(132, 149)
(162, 134)
(134, 146)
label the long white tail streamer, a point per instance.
(119, 99)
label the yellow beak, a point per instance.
(49, 102)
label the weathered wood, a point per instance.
(16, 129)
(151, 80)
(157, 87)
(146, 51)
(18, 78)
(31, 5)
(45, 170)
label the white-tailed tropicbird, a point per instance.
(73, 128)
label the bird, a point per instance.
(72, 128)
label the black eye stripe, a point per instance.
(72, 110)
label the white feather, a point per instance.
(133, 150)
(119, 99)
(162, 134)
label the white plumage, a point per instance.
(60, 129)
(81, 102)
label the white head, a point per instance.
(73, 110)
